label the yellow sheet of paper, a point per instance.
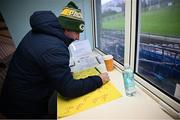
(101, 95)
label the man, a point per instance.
(40, 65)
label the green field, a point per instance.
(115, 22)
(164, 21)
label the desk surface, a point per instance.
(140, 106)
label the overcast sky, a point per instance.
(104, 1)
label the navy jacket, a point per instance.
(39, 66)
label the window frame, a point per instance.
(130, 53)
(127, 34)
(171, 105)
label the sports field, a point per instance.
(163, 21)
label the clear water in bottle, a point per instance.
(129, 83)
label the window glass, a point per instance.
(110, 23)
(158, 48)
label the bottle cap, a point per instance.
(126, 66)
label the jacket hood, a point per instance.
(46, 22)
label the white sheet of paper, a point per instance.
(80, 48)
(82, 56)
(86, 62)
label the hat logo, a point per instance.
(81, 27)
(71, 13)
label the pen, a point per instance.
(98, 60)
(98, 70)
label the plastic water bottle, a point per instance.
(129, 83)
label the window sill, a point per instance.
(140, 106)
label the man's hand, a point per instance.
(104, 77)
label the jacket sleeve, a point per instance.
(56, 67)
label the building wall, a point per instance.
(17, 12)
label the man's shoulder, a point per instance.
(49, 39)
(48, 42)
(37, 44)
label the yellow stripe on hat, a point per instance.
(71, 13)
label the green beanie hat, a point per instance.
(71, 18)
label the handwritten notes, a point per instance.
(80, 48)
(106, 93)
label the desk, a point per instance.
(140, 106)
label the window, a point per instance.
(110, 23)
(151, 44)
(158, 46)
